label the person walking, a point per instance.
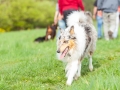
(97, 14)
(68, 6)
(58, 19)
(109, 8)
(115, 34)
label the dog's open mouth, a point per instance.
(64, 53)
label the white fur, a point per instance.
(49, 36)
(75, 18)
(73, 67)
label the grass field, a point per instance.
(25, 65)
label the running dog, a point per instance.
(50, 34)
(75, 42)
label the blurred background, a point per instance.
(29, 14)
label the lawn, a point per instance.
(26, 65)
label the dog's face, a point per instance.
(66, 42)
(49, 30)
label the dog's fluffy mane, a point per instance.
(83, 24)
(79, 17)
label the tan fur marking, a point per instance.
(71, 44)
(62, 48)
(72, 30)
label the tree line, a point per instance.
(29, 14)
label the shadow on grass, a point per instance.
(85, 66)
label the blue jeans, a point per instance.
(61, 25)
(99, 26)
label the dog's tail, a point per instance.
(79, 17)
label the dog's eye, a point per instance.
(65, 42)
(73, 37)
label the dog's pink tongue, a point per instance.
(64, 53)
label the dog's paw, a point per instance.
(68, 83)
(91, 68)
(76, 77)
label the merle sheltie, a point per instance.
(76, 41)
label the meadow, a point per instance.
(26, 65)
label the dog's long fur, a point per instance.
(76, 41)
(50, 34)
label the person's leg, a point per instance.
(117, 26)
(99, 26)
(106, 25)
(112, 24)
(61, 24)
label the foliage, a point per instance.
(2, 30)
(26, 14)
(89, 5)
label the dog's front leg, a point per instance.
(78, 74)
(72, 71)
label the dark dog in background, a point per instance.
(50, 34)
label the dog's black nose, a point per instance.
(58, 51)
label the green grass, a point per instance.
(25, 65)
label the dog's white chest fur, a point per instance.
(49, 36)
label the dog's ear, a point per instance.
(88, 13)
(72, 30)
(48, 26)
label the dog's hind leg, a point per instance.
(90, 61)
(78, 74)
(72, 71)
